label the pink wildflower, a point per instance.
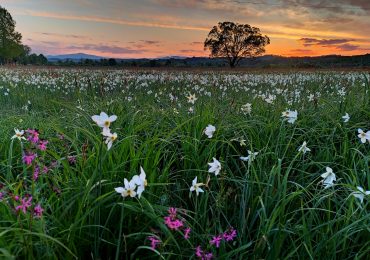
(26, 203)
(33, 135)
(216, 241)
(27, 159)
(173, 212)
(173, 224)
(71, 159)
(36, 173)
(203, 255)
(42, 145)
(45, 169)
(37, 211)
(229, 235)
(187, 233)
(198, 251)
(154, 242)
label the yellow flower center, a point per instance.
(107, 123)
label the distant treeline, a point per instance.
(269, 61)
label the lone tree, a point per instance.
(235, 41)
(10, 41)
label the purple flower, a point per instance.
(33, 135)
(154, 242)
(27, 159)
(230, 235)
(216, 241)
(198, 251)
(173, 224)
(26, 203)
(36, 173)
(71, 159)
(37, 211)
(42, 145)
(187, 233)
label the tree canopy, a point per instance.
(235, 41)
(10, 40)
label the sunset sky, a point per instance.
(157, 28)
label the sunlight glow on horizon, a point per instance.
(157, 28)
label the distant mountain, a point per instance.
(172, 57)
(74, 57)
(266, 61)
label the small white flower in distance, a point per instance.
(346, 118)
(215, 167)
(328, 177)
(209, 131)
(303, 148)
(196, 186)
(360, 194)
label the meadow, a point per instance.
(123, 164)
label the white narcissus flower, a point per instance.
(196, 186)
(303, 148)
(128, 190)
(251, 156)
(290, 116)
(191, 98)
(18, 134)
(209, 131)
(363, 136)
(346, 118)
(246, 108)
(328, 177)
(140, 181)
(103, 120)
(360, 194)
(110, 138)
(215, 166)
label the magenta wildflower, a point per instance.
(216, 241)
(154, 242)
(36, 173)
(42, 145)
(27, 159)
(171, 221)
(198, 251)
(203, 255)
(37, 211)
(173, 212)
(229, 235)
(1, 195)
(33, 135)
(71, 159)
(173, 224)
(26, 203)
(45, 169)
(187, 233)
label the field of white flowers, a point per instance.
(109, 164)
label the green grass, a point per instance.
(276, 203)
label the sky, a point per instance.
(158, 28)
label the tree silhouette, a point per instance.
(235, 41)
(10, 40)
